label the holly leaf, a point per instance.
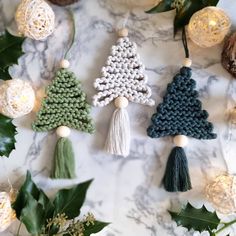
(196, 219)
(4, 74)
(10, 51)
(7, 136)
(163, 6)
(33, 215)
(47, 204)
(94, 228)
(28, 188)
(184, 14)
(69, 201)
(212, 2)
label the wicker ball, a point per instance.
(233, 116)
(35, 19)
(7, 214)
(228, 58)
(222, 194)
(16, 98)
(208, 26)
(63, 2)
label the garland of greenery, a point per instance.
(10, 51)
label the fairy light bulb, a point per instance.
(221, 193)
(17, 98)
(7, 214)
(209, 26)
(35, 19)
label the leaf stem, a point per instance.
(226, 225)
(18, 230)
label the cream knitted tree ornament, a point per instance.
(122, 80)
(7, 214)
(35, 19)
(16, 98)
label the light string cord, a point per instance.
(70, 12)
(123, 22)
(226, 148)
(185, 42)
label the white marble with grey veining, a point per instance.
(127, 191)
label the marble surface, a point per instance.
(126, 192)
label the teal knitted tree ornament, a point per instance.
(64, 107)
(180, 115)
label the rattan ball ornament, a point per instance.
(228, 56)
(7, 214)
(35, 19)
(221, 193)
(209, 26)
(17, 98)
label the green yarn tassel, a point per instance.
(64, 162)
(176, 178)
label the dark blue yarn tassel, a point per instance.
(176, 178)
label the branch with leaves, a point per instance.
(184, 9)
(10, 51)
(41, 216)
(200, 220)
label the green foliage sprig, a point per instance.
(41, 216)
(10, 51)
(184, 9)
(200, 220)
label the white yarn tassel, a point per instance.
(118, 139)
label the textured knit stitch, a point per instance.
(123, 76)
(65, 104)
(181, 112)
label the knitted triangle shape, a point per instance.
(181, 112)
(123, 76)
(64, 105)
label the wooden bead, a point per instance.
(187, 62)
(180, 140)
(123, 32)
(63, 131)
(121, 102)
(65, 64)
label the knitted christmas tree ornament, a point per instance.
(180, 115)
(63, 108)
(122, 80)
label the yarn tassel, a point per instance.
(64, 162)
(118, 139)
(176, 178)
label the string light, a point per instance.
(208, 26)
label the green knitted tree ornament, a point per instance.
(64, 107)
(180, 115)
